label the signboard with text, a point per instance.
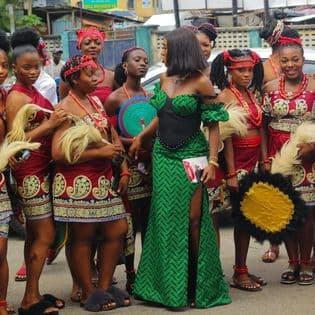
(99, 5)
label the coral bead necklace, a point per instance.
(254, 118)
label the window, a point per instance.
(131, 4)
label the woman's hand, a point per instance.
(265, 166)
(123, 185)
(14, 164)
(306, 152)
(111, 151)
(208, 174)
(135, 147)
(232, 183)
(57, 117)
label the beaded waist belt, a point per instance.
(246, 142)
(287, 125)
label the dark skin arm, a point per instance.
(108, 151)
(144, 135)
(14, 103)
(205, 87)
(63, 89)
(112, 106)
(307, 150)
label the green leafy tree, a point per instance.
(31, 21)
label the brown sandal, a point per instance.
(306, 277)
(245, 284)
(257, 279)
(290, 276)
(271, 255)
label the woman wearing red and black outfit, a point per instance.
(272, 32)
(289, 101)
(242, 154)
(32, 177)
(128, 74)
(82, 192)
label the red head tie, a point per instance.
(287, 40)
(274, 37)
(42, 51)
(92, 32)
(226, 56)
(255, 57)
(86, 61)
(238, 63)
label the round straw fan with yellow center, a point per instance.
(268, 206)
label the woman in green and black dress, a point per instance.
(180, 264)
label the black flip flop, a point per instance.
(38, 309)
(54, 300)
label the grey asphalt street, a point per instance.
(275, 298)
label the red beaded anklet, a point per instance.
(3, 303)
(240, 270)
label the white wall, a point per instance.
(248, 5)
(198, 4)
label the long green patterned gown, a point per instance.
(162, 275)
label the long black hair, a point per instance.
(184, 55)
(120, 76)
(219, 74)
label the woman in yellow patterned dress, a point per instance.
(83, 193)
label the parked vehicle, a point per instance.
(153, 75)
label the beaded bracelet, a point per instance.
(125, 173)
(230, 175)
(267, 161)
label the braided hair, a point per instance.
(120, 76)
(4, 42)
(70, 64)
(219, 75)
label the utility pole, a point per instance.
(266, 11)
(10, 9)
(176, 13)
(29, 4)
(234, 12)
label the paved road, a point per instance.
(275, 299)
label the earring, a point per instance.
(126, 72)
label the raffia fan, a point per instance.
(286, 159)
(77, 138)
(21, 120)
(267, 203)
(9, 149)
(237, 123)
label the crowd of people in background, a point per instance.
(91, 185)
